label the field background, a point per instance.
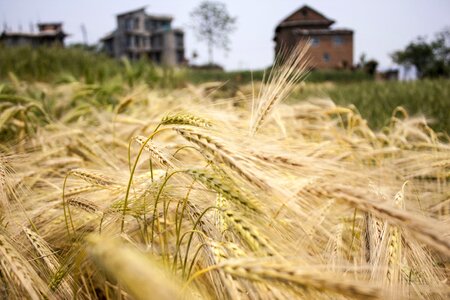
(375, 100)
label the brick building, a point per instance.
(49, 34)
(330, 48)
(139, 34)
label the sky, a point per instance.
(380, 27)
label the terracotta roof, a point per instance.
(321, 31)
(322, 21)
(305, 22)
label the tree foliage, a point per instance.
(370, 67)
(431, 59)
(212, 23)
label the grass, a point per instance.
(120, 189)
(77, 64)
(377, 100)
(247, 76)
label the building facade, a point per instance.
(49, 34)
(140, 35)
(330, 48)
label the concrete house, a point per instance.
(139, 35)
(49, 34)
(330, 48)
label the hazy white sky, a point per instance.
(380, 26)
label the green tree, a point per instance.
(370, 67)
(212, 23)
(431, 59)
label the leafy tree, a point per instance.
(370, 67)
(431, 59)
(212, 23)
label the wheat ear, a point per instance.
(283, 79)
(219, 150)
(125, 263)
(19, 271)
(94, 178)
(425, 229)
(249, 233)
(50, 259)
(185, 119)
(3, 195)
(224, 187)
(154, 150)
(303, 278)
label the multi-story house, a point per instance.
(330, 48)
(139, 35)
(49, 34)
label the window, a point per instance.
(165, 25)
(137, 41)
(128, 24)
(326, 57)
(179, 40)
(148, 25)
(157, 41)
(129, 41)
(180, 57)
(315, 41)
(337, 40)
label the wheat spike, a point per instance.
(94, 178)
(284, 77)
(154, 150)
(425, 229)
(395, 244)
(50, 259)
(124, 263)
(19, 271)
(219, 151)
(3, 194)
(185, 119)
(84, 204)
(250, 234)
(224, 187)
(304, 278)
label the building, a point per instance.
(49, 34)
(140, 35)
(330, 48)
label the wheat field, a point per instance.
(179, 195)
